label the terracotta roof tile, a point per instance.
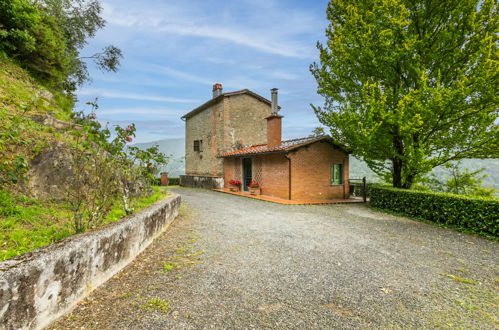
(285, 146)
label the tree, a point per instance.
(318, 131)
(46, 37)
(80, 20)
(410, 85)
(461, 182)
(35, 40)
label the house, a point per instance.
(222, 124)
(311, 168)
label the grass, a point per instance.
(156, 304)
(28, 223)
(460, 279)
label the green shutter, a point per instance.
(337, 174)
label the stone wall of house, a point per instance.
(244, 121)
(237, 119)
(203, 126)
(201, 181)
(311, 172)
(39, 286)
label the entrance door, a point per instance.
(247, 175)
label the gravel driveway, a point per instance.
(235, 262)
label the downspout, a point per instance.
(289, 176)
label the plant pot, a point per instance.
(234, 188)
(255, 191)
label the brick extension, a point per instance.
(297, 170)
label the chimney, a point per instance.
(274, 106)
(274, 125)
(217, 90)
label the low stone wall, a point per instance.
(199, 181)
(39, 286)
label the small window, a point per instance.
(337, 174)
(198, 145)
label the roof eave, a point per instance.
(255, 154)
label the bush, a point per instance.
(35, 40)
(174, 181)
(474, 214)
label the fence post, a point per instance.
(364, 189)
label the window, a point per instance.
(198, 145)
(337, 174)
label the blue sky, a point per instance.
(174, 51)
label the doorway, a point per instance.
(247, 174)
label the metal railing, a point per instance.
(363, 186)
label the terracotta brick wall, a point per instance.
(230, 170)
(275, 175)
(311, 172)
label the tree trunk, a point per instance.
(409, 180)
(397, 172)
(397, 162)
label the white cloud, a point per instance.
(131, 96)
(183, 75)
(264, 27)
(141, 111)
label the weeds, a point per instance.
(156, 304)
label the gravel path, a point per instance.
(235, 262)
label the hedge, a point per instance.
(171, 181)
(474, 214)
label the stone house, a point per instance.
(311, 168)
(224, 123)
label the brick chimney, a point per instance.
(274, 125)
(217, 90)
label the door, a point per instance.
(247, 175)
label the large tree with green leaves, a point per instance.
(47, 36)
(410, 85)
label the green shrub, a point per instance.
(35, 40)
(474, 214)
(174, 181)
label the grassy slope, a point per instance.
(27, 223)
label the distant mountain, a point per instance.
(175, 149)
(358, 168)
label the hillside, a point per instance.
(358, 168)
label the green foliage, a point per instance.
(410, 85)
(28, 223)
(105, 169)
(460, 182)
(21, 138)
(46, 38)
(35, 40)
(474, 214)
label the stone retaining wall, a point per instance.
(200, 181)
(39, 286)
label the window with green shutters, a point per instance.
(337, 174)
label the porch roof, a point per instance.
(284, 147)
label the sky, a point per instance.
(174, 51)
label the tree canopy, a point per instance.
(410, 85)
(47, 36)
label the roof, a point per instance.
(217, 99)
(284, 147)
